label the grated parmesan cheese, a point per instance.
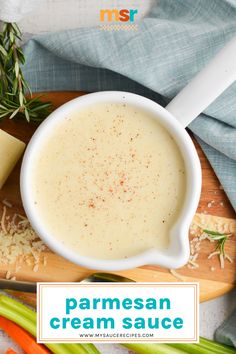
(177, 275)
(3, 226)
(8, 275)
(222, 261)
(7, 203)
(36, 268)
(193, 264)
(19, 244)
(229, 258)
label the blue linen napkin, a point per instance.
(172, 44)
(226, 333)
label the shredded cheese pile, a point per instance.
(197, 235)
(19, 244)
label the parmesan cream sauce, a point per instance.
(109, 182)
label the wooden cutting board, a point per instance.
(213, 280)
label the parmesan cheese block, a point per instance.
(11, 150)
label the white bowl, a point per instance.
(177, 253)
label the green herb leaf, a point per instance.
(15, 94)
(3, 51)
(220, 238)
(27, 115)
(213, 233)
(14, 113)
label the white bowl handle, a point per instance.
(219, 74)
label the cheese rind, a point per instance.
(11, 150)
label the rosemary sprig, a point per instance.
(15, 94)
(221, 240)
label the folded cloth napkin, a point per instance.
(226, 333)
(170, 46)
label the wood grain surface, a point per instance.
(213, 280)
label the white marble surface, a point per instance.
(56, 15)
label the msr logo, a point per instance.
(116, 15)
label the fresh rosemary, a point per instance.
(220, 238)
(15, 94)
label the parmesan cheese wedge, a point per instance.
(11, 150)
(215, 223)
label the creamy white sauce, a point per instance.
(109, 182)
